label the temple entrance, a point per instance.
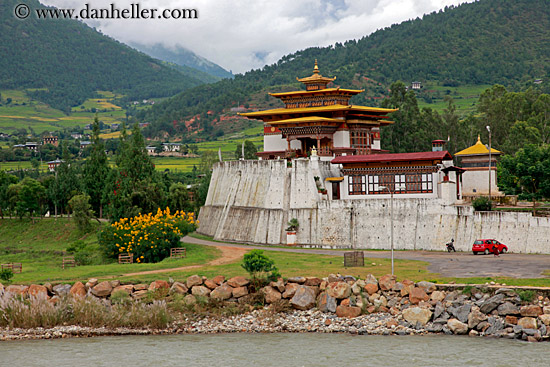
(307, 144)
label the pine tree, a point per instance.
(96, 170)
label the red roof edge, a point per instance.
(393, 157)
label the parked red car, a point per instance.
(486, 246)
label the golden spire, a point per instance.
(478, 139)
(316, 68)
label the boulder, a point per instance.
(200, 291)
(239, 281)
(49, 287)
(16, 290)
(428, 287)
(491, 303)
(62, 289)
(461, 312)
(511, 320)
(222, 292)
(92, 282)
(546, 310)
(418, 294)
(179, 288)
(115, 283)
(158, 284)
(545, 319)
(140, 287)
(437, 296)
(271, 294)
(313, 281)
(345, 302)
(326, 303)
(530, 311)
(140, 294)
(38, 291)
(507, 308)
(387, 282)
(457, 327)
(219, 279)
(371, 288)
(528, 323)
(348, 311)
(334, 278)
(190, 299)
(210, 284)
(193, 280)
(290, 290)
(102, 289)
(240, 292)
(408, 285)
(304, 298)
(414, 315)
(78, 290)
(475, 317)
(339, 290)
(1, 289)
(128, 288)
(278, 285)
(357, 287)
(299, 280)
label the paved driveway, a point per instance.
(459, 264)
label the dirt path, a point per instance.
(229, 255)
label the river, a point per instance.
(264, 350)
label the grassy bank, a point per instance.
(40, 248)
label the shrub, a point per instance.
(260, 267)
(149, 237)
(82, 212)
(482, 204)
(526, 295)
(6, 275)
(293, 224)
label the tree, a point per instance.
(260, 267)
(5, 182)
(527, 173)
(96, 171)
(66, 182)
(30, 195)
(249, 150)
(178, 198)
(82, 212)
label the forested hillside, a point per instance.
(486, 42)
(67, 61)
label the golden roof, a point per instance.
(331, 108)
(316, 77)
(478, 148)
(306, 119)
(319, 91)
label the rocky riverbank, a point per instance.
(336, 304)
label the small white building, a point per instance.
(171, 147)
(416, 85)
(151, 150)
(475, 162)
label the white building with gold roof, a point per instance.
(475, 162)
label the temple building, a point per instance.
(320, 117)
(475, 162)
(320, 122)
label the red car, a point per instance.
(486, 246)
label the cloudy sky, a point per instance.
(243, 34)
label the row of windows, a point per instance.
(405, 183)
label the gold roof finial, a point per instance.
(316, 68)
(478, 139)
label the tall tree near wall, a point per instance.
(96, 171)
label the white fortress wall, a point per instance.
(252, 201)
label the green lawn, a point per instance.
(40, 248)
(465, 97)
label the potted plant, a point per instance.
(291, 231)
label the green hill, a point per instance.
(480, 43)
(67, 61)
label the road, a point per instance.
(459, 264)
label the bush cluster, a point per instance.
(148, 237)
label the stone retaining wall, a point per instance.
(405, 307)
(252, 201)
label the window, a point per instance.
(357, 185)
(360, 141)
(401, 183)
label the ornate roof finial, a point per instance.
(478, 139)
(316, 68)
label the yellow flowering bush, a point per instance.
(149, 237)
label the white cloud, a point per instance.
(245, 34)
